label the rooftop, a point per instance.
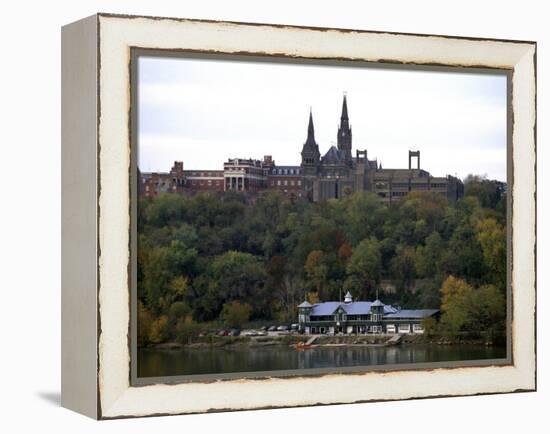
(364, 308)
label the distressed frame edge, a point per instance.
(528, 48)
(79, 218)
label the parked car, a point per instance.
(294, 326)
(261, 333)
(223, 332)
(249, 333)
(234, 332)
(272, 328)
(282, 328)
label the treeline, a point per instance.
(217, 257)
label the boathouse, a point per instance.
(360, 317)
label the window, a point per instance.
(404, 328)
(299, 182)
(279, 182)
(418, 328)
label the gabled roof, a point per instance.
(363, 308)
(353, 308)
(334, 156)
(358, 307)
(326, 308)
(305, 303)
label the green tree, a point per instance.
(317, 271)
(465, 308)
(492, 237)
(145, 320)
(187, 329)
(403, 267)
(488, 192)
(234, 276)
(159, 330)
(364, 265)
(235, 314)
(428, 256)
(487, 309)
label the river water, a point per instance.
(161, 362)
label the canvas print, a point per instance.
(295, 216)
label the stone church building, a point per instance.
(338, 172)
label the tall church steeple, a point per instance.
(310, 131)
(344, 130)
(310, 150)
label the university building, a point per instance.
(338, 173)
(335, 174)
(360, 317)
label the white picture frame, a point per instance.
(96, 210)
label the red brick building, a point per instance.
(287, 179)
(204, 180)
(154, 183)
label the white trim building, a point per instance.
(360, 317)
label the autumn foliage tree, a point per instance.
(467, 308)
(200, 253)
(235, 313)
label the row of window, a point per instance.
(209, 182)
(206, 174)
(291, 183)
(390, 328)
(345, 317)
(276, 171)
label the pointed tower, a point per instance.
(344, 130)
(310, 151)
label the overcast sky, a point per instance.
(203, 112)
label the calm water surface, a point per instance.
(158, 362)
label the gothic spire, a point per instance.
(310, 150)
(344, 131)
(344, 116)
(310, 130)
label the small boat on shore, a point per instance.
(305, 345)
(302, 346)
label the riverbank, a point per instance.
(154, 362)
(324, 340)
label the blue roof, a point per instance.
(357, 307)
(353, 308)
(389, 309)
(363, 308)
(412, 313)
(326, 308)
